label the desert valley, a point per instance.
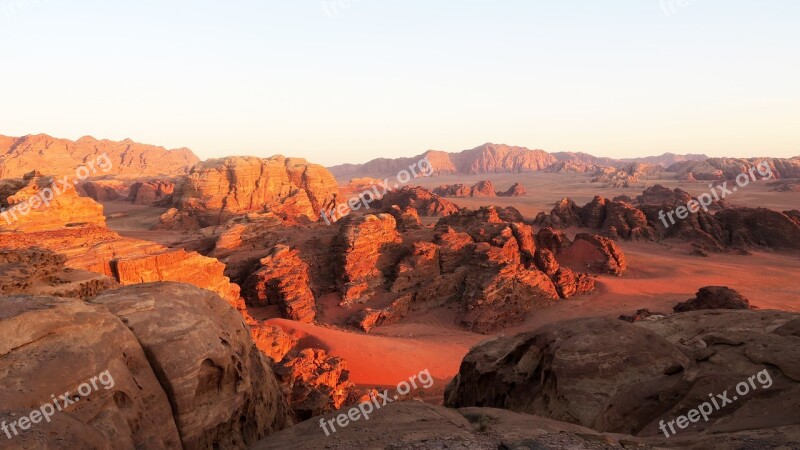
(494, 298)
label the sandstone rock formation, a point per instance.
(516, 190)
(482, 188)
(167, 366)
(314, 382)
(488, 158)
(360, 244)
(282, 280)
(129, 261)
(729, 168)
(714, 297)
(39, 203)
(148, 193)
(63, 157)
(219, 189)
(656, 370)
(41, 272)
(222, 391)
(425, 202)
(102, 190)
(729, 228)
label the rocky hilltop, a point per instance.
(729, 168)
(217, 190)
(488, 158)
(19, 156)
(500, 158)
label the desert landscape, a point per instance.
(298, 296)
(347, 225)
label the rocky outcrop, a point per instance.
(152, 366)
(102, 190)
(178, 266)
(314, 382)
(656, 370)
(714, 297)
(101, 250)
(626, 175)
(282, 280)
(217, 190)
(407, 219)
(729, 168)
(151, 192)
(45, 203)
(516, 190)
(730, 228)
(482, 188)
(361, 243)
(222, 391)
(488, 158)
(424, 201)
(41, 272)
(63, 157)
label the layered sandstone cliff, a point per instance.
(220, 189)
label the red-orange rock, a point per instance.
(315, 382)
(45, 203)
(421, 199)
(64, 157)
(360, 243)
(282, 280)
(219, 189)
(148, 193)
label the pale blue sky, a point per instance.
(387, 78)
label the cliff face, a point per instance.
(63, 157)
(219, 189)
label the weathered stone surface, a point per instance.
(360, 244)
(714, 297)
(221, 390)
(102, 190)
(729, 168)
(218, 189)
(426, 203)
(516, 190)
(282, 280)
(655, 370)
(599, 254)
(483, 188)
(42, 272)
(99, 250)
(407, 219)
(315, 383)
(178, 266)
(50, 346)
(151, 192)
(64, 157)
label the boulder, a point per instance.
(222, 391)
(714, 297)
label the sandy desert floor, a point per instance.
(659, 276)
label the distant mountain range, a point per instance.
(498, 158)
(53, 156)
